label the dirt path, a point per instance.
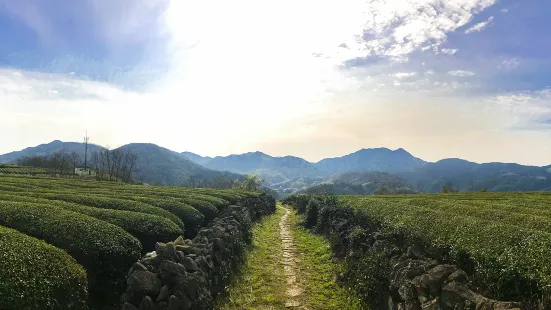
(287, 267)
(290, 260)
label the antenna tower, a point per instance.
(86, 139)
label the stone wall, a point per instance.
(385, 269)
(189, 274)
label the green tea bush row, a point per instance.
(147, 228)
(35, 275)
(104, 250)
(511, 260)
(112, 203)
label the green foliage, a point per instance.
(318, 267)
(368, 277)
(148, 229)
(504, 237)
(261, 281)
(105, 250)
(113, 203)
(36, 276)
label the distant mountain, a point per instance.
(47, 150)
(376, 159)
(361, 183)
(465, 175)
(160, 166)
(156, 165)
(359, 171)
(273, 169)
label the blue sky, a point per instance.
(457, 78)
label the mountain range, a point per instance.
(161, 166)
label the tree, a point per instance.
(382, 190)
(252, 182)
(114, 165)
(447, 188)
(75, 161)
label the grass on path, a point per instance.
(261, 284)
(317, 271)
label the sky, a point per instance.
(465, 79)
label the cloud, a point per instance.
(449, 51)
(478, 27)
(461, 73)
(402, 75)
(236, 79)
(510, 63)
(405, 26)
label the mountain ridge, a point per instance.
(163, 166)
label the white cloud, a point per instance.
(478, 27)
(240, 82)
(400, 27)
(504, 10)
(510, 63)
(403, 75)
(449, 51)
(461, 73)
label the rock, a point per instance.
(430, 305)
(163, 295)
(437, 276)
(186, 249)
(173, 303)
(189, 264)
(145, 283)
(459, 276)
(158, 247)
(506, 306)
(163, 305)
(129, 306)
(167, 251)
(147, 304)
(455, 293)
(172, 268)
(415, 252)
(407, 291)
(136, 267)
(179, 241)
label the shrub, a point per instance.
(105, 250)
(368, 276)
(113, 203)
(147, 228)
(36, 275)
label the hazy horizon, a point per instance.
(466, 79)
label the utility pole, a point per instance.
(86, 139)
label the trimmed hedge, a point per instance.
(105, 250)
(112, 203)
(147, 228)
(191, 217)
(36, 275)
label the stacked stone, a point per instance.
(189, 274)
(417, 281)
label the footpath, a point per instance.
(287, 267)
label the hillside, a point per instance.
(361, 183)
(48, 149)
(156, 165)
(466, 176)
(376, 159)
(272, 169)
(160, 166)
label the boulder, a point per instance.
(144, 283)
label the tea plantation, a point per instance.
(69, 244)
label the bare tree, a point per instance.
(75, 161)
